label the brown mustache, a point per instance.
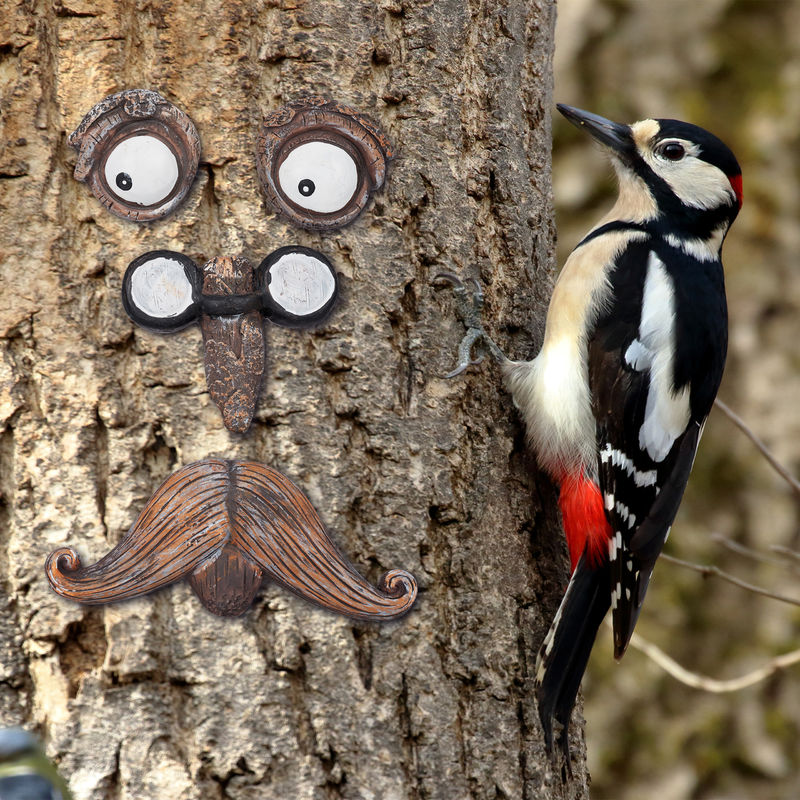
(225, 525)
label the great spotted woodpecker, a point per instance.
(615, 401)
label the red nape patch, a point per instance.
(585, 523)
(736, 183)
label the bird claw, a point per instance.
(469, 307)
(463, 365)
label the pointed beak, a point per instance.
(611, 134)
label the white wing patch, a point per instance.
(625, 515)
(667, 413)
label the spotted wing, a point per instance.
(648, 423)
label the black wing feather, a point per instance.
(642, 495)
(566, 649)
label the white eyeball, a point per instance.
(301, 284)
(141, 170)
(319, 176)
(160, 288)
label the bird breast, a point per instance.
(552, 391)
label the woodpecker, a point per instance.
(615, 401)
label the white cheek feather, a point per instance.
(699, 184)
(701, 249)
(695, 182)
(667, 412)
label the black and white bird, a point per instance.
(615, 401)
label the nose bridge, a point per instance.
(227, 275)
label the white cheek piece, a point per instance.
(160, 288)
(319, 176)
(300, 284)
(141, 170)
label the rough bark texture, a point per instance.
(157, 698)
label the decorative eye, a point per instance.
(319, 176)
(319, 162)
(299, 286)
(161, 290)
(672, 151)
(138, 153)
(141, 170)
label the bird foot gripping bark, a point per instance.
(468, 308)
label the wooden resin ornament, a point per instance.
(319, 162)
(138, 153)
(294, 287)
(225, 526)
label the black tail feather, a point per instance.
(566, 648)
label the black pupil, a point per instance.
(674, 151)
(306, 187)
(124, 181)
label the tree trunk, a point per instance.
(157, 698)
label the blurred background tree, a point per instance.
(732, 66)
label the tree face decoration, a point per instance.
(319, 162)
(138, 153)
(294, 287)
(225, 526)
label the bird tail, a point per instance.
(566, 648)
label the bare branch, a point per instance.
(762, 448)
(697, 681)
(786, 552)
(749, 552)
(710, 569)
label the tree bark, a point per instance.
(157, 698)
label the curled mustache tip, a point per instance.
(397, 584)
(63, 560)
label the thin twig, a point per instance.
(693, 679)
(711, 569)
(762, 448)
(748, 552)
(786, 552)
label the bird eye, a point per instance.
(672, 151)
(161, 290)
(318, 176)
(298, 286)
(319, 162)
(138, 153)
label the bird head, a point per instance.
(669, 170)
